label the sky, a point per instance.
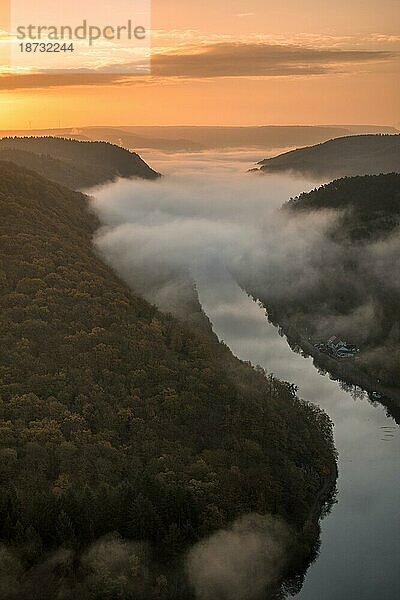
(231, 62)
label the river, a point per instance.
(360, 541)
(359, 558)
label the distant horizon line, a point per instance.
(111, 126)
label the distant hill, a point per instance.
(135, 139)
(117, 419)
(341, 157)
(201, 138)
(268, 136)
(73, 163)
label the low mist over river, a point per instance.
(209, 218)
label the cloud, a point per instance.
(39, 81)
(157, 235)
(239, 563)
(160, 236)
(261, 60)
(211, 60)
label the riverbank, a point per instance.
(342, 370)
(359, 538)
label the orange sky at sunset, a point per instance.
(232, 62)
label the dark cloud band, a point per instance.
(216, 61)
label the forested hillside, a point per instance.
(115, 417)
(66, 173)
(368, 207)
(353, 291)
(340, 157)
(75, 164)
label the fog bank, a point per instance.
(239, 563)
(157, 235)
(160, 236)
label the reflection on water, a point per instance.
(360, 552)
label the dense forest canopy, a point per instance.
(369, 206)
(75, 164)
(340, 157)
(117, 419)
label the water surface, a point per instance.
(360, 549)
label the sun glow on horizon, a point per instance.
(301, 63)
